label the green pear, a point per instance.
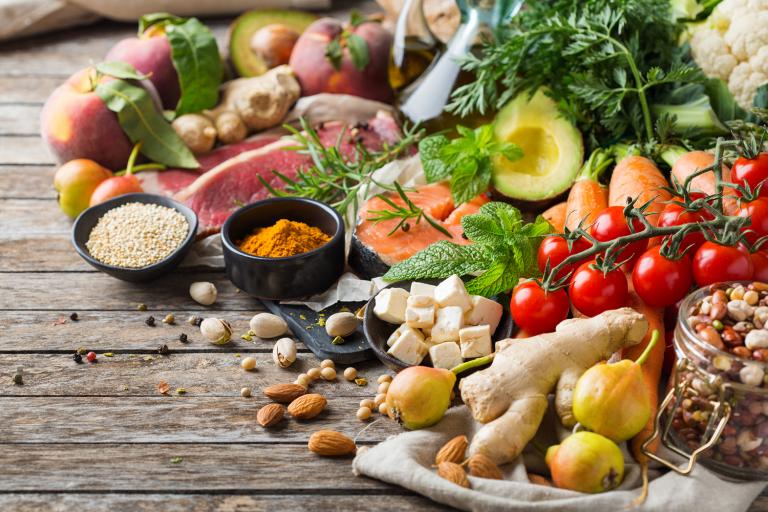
(586, 462)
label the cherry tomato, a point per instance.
(535, 310)
(752, 172)
(611, 224)
(660, 281)
(714, 263)
(756, 210)
(676, 215)
(555, 249)
(593, 292)
(760, 264)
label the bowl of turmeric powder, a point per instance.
(284, 248)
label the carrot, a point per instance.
(555, 215)
(692, 161)
(651, 375)
(588, 197)
(638, 177)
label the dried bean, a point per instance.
(711, 336)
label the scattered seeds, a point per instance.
(176, 460)
(74, 317)
(379, 399)
(150, 321)
(367, 402)
(248, 364)
(18, 378)
(91, 357)
(363, 413)
(313, 373)
(384, 378)
(247, 336)
(350, 373)
(108, 354)
(76, 357)
(181, 391)
(303, 380)
(183, 338)
(142, 307)
(81, 350)
(194, 320)
(328, 373)
(163, 350)
(245, 392)
(338, 340)
(169, 319)
(383, 387)
(60, 321)
(361, 381)
(327, 363)
(163, 388)
(384, 409)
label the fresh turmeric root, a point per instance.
(510, 396)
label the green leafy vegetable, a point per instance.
(604, 62)
(358, 51)
(119, 69)
(465, 160)
(334, 53)
(143, 123)
(157, 18)
(503, 250)
(197, 61)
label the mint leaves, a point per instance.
(503, 250)
(465, 160)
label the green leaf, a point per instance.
(483, 229)
(198, 63)
(500, 277)
(441, 259)
(761, 97)
(143, 123)
(435, 169)
(155, 18)
(722, 101)
(334, 53)
(358, 51)
(119, 69)
(356, 19)
(469, 181)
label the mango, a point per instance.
(419, 396)
(586, 462)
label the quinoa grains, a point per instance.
(137, 235)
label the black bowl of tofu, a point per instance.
(434, 322)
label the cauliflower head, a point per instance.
(732, 44)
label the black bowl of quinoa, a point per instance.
(135, 237)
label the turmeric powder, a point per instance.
(284, 238)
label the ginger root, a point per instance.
(247, 105)
(510, 396)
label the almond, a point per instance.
(270, 414)
(453, 473)
(452, 451)
(284, 393)
(330, 443)
(482, 466)
(307, 406)
(539, 480)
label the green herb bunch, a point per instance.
(605, 62)
(503, 250)
(465, 160)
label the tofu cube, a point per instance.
(484, 311)
(422, 289)
(409, 349)
(451, 292)
(475, 341)
(420, 312)
(445, 355)
(395, 334)
(447, 325)
(391, 304)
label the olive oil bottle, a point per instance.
(425, 99)
(414, 46)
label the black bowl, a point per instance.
(88, 219)
(377, 331)
(290, 277)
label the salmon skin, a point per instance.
(374, 250)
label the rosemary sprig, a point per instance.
(404, 213)
(334, 178)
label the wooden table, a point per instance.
(100, 436)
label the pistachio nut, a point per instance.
(203, 292)
(341, 324)
(267, 325)
(284, 352)
(216, 331)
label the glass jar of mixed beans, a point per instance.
(718, 410)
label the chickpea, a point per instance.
(751, 297)
(384, 409)
(303, 380)
(328, 373)
(313, 373)
(350, 373)
(363, 413)
(383, 387)
(384, 378)
(245, 392)
(248, 364)
(327, 363)
(379, 399)
(367, 402)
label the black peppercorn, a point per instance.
(150, 321)
(183, 338)
(74, 317)
(163, 350)
(77, 358)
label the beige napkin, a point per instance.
(405, 460)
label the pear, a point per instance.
(613, 400)
(419, 396)
(75, 182)
(586, 462)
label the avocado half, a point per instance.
(244, 60)
(553, 150)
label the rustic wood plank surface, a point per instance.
(101, 436)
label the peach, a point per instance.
(151, 54)
(75, 123)
(317, 74)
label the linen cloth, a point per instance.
(406, 460)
